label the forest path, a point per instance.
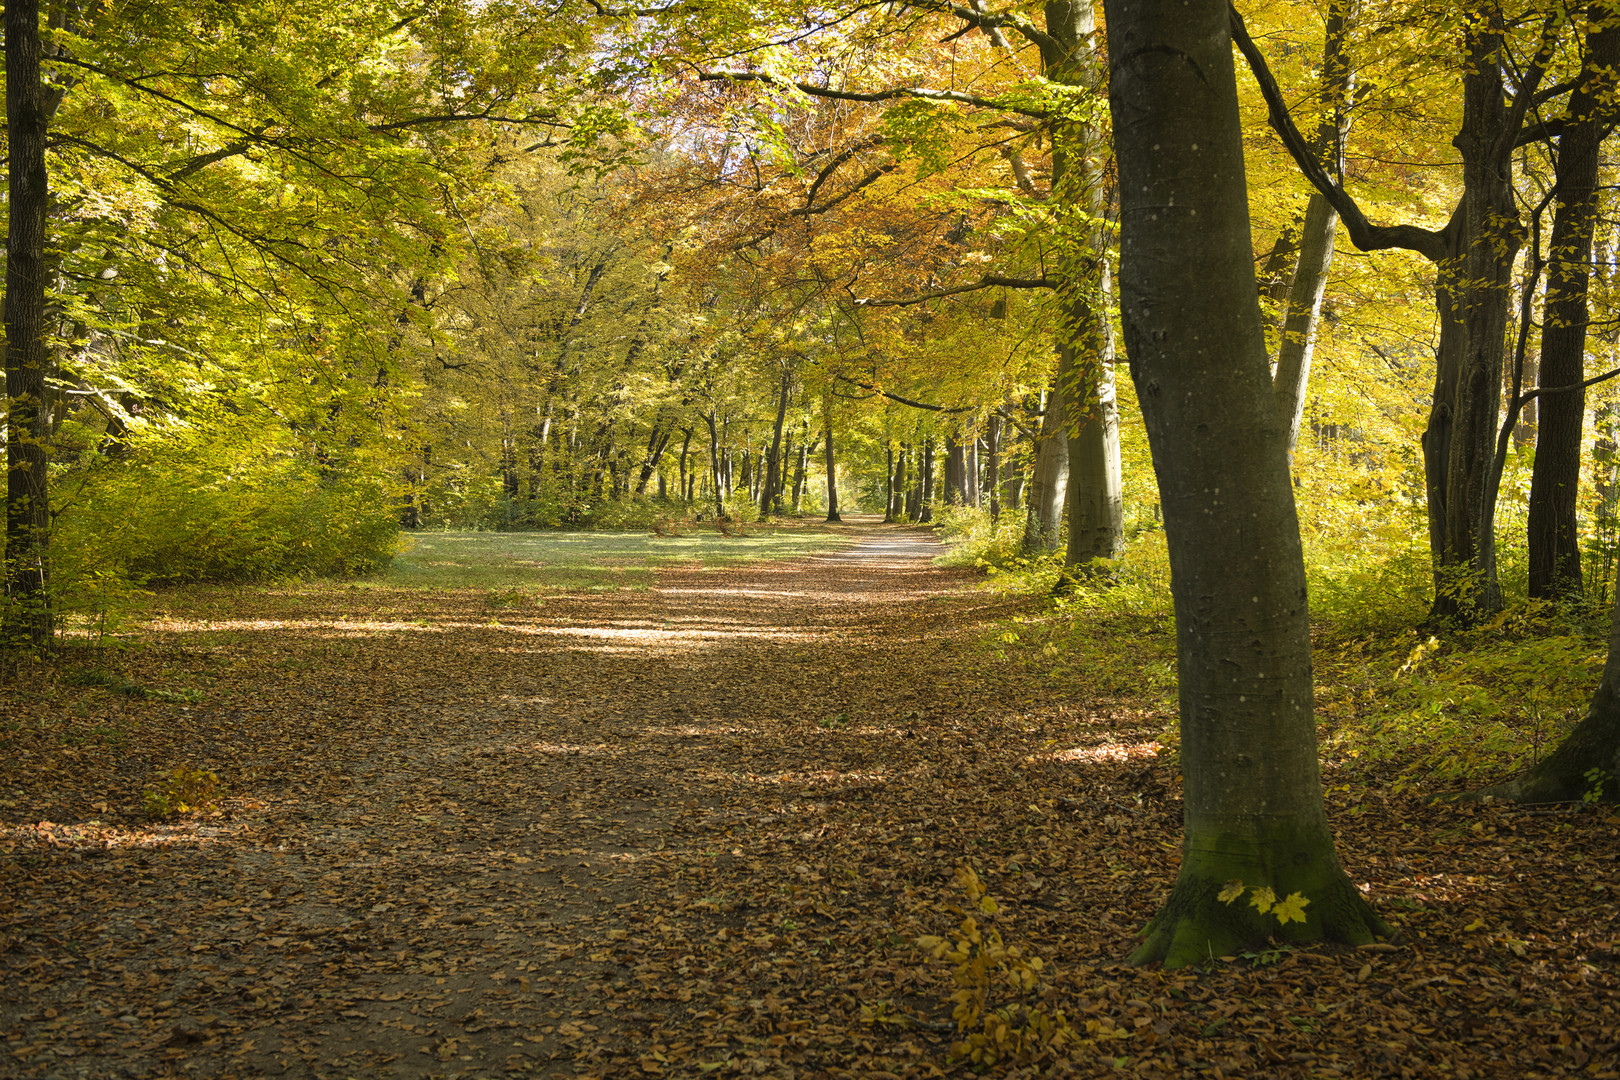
(679, 829)
(696, 829)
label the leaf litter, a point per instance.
(699, 830)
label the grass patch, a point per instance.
(115, 683)
(508, 564)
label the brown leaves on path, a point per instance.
(696, 830)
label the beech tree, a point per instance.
(1258, 857)
(1508, 89)
(27, 609)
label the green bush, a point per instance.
(169, 521)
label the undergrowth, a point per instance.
(1404, 709)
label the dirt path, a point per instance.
(695, 830)
(607, 831)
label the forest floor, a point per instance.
(694, 829)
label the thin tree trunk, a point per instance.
(1253, 808)
(714, 465)
(970, 470)
(1304, 307)
(897, 502)
(926, 513)
(992, 451)
(1555, 478)
(685, 487)
(771, 498)
(28, 508)
(832, 465)
(888, 486)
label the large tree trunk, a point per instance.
(1096, 499)
(1587, 763)
(28, 509)
(1555, 479)
(1473, 296)
(1094, 490)
(1253, 796)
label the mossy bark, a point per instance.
(1196, 925)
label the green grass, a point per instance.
(574, 561)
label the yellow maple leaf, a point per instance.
(1291, 909)
(1262, 898)
(1231, 892)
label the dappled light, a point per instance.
(737, 785)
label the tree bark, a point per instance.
(1304, 303)
(1473, 295)
(1094, 490)
(1555, 478)
(714, 464)
(1298, 339)
(888, 486)
(771, 498)
(28, 509)
(970, 470)
(1050, 482)
(685, 487)
(1253, 798)
(832, 465)
(992, 451)
(1096, 499)
(925, 513)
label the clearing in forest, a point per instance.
(691, 820)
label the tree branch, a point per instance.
(1363, 233)
(892, 94)
(988, 281)
(991, 21)
(905, 401)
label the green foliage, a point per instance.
(174, 519)
(976, 540)
(1462, 710)
(994, 1032)
(117, 684)
(183, 790)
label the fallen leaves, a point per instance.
(487, 849)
